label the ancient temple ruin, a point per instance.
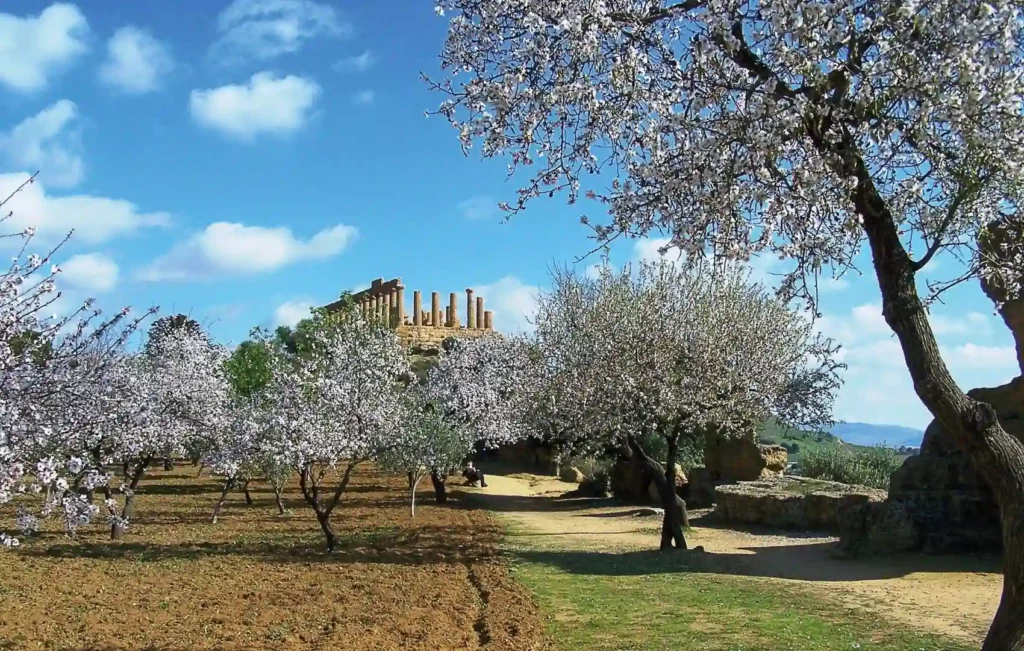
(422, 327)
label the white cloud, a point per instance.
(267, 29)
(997, 359)
(265, 104)
(972, 323)
(94, 219)
(513, 304)
(135, 61)
(479, 208)
(36, 48)
(50, 142)
(291, 312)
(358, 63)
(364, 97)
(90, 272)
(225, 248)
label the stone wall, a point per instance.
(431, 337)
(791, 502)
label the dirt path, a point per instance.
(951, 596)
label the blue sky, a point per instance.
(240, 161)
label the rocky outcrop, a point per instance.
(628, 482)
(742, 458)
(937, 502)
(791, 502)
(571, 475)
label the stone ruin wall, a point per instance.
(425, 328)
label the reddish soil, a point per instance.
(257, 580)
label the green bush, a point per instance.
(863, 466)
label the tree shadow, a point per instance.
(521, 503)
(805, 562)
(382, 546)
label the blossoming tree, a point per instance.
(477, 388)
(53, 374)
(335, 404)
(800, 129)
(676, 351)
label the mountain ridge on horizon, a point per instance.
(895, 436)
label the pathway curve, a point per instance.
(954, 596)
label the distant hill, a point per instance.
(852, 434)
(893, 436)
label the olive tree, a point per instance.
(795, 128)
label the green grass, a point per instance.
(797, 442)
(646, 601)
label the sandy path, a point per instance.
(950, 596)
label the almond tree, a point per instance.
(673, 352)
(477, 387)
(180, 383)
(792, 128)
(429, 442)
(335, 404)
(52, 369)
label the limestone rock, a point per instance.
(571, 475)
(628, 482)
(701, 491)
(791, 502)
(742, 458)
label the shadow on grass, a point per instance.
(809, 562)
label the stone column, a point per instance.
(401, 304)
(453, 310)
(435, 309)
(470, 314)
(375, 306)
(392, 307)
(488, 321)
(385, 313)
(480, 312)
(417, 309)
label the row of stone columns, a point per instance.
(390, 308)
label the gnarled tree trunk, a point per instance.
(675, 517)
(438, 479)
(995, 454)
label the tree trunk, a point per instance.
(675, 509)
(168, 464)
(440, 490)
(117, 529)
(245, 491)
(278, 492)
(412, 495)
(223, 496)
(199, 473)
(995, 455)
(412, 479)
(325, 525)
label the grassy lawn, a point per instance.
(646, 600)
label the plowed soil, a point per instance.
(257, 580)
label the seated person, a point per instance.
(473, 475)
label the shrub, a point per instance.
(864, 466)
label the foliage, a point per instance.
(768, 126)
(248, 367)
(864, 466)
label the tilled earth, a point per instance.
(257, 580)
